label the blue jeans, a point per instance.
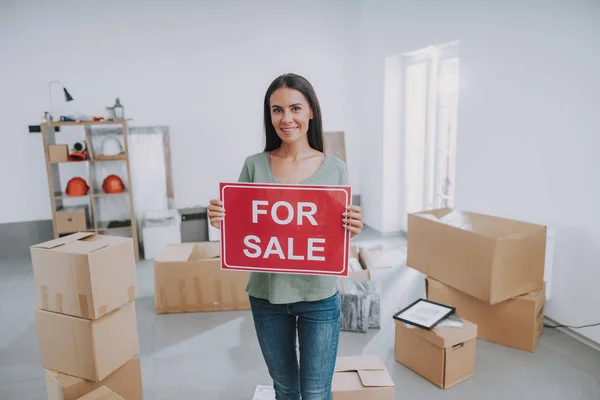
(318, 326)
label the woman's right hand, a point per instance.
(216, 213)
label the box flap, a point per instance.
(64, 380)
(346, 381)
(486, 225)
(63, 240)
(206, 250)
(176, 253)
(101, 393)
(445, 337)
(83, 247)
(355, 363)
(375, 378)
(354, 251)
(454, 336)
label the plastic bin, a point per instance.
(194, 224)
(159, 229)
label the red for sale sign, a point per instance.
(294, 229)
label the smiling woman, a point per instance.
(286, 305)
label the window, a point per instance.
(425, 112)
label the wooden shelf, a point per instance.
(63, 195)
(102, 194)
(100, 157)
(86, 123)
(120, 157)
(94, 181)
(104, 226)
(68, 162)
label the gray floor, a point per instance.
(216, 355)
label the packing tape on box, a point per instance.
(182, 297)
(163, 298)
(218, 291)
(540, 312)
(198, 290)
(83, 306)
(44, 292)
(234, 296)
(59, 302)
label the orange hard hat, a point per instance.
(77, 187)
(77, 156)
(113, 184)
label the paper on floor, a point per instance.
(263, 392)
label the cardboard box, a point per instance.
(377, 256)
(188, 278)
(493, 259)
(443, 356)
(514, 323)
(88, 349)
(125, 381)
(84, 274)
(361, 377)
(356, 271)
(102, 393)
(71, 219)
(58, 153)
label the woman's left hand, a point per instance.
(353, 220)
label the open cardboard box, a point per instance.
(378, 256)
(357, 271)
(443, 355)
(125, 381)
(84, 348)
(493, 259)
(188, 278)
(361, 377)
(516, 323)
(84, 274)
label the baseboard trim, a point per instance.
(575, 335)
(16, 237)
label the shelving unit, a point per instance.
(57, 189)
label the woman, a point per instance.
(283, 304)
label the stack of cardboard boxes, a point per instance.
(491, 269)
(86, 321)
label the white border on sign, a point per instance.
(224, 255)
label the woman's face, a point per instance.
(290, 114)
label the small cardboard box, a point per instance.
(493, 259)
(188, 278)
(84, 274)
(361, 377)
(378, 256)
(514, 323)
(58, 153)
(443, 356)
(102, 393)
(71, 219)
(125, 381)
(88, 349)
(356, 270)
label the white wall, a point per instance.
(528, 129)
(201, 68)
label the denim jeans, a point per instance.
(318, 327)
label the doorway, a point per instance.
(428, 125)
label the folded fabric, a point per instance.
(355, 312)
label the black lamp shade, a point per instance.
(68, 97)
